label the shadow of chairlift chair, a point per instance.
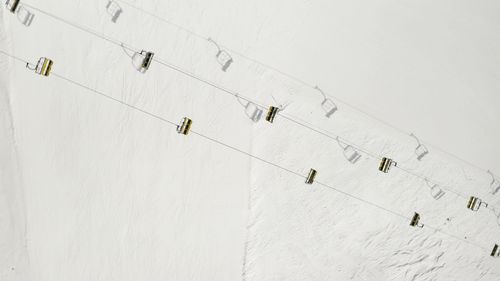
(184, 126)
(327, 104)
(223, 58)
(253, 111)
(311, 176)
(496, 251)
(114, 10)
(435, 190)
(24, 15)
(42, 67)
(475, 203)
(351, 154)
(495, 184)
(386, 164)
(415, 221)
(421, 150)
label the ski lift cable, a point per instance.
(235, 149)
(300, 81)
(288, 117)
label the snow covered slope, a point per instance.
(112, 193)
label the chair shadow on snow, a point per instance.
(421, 150)
(435, 191)
(495, 183)
(24, 15)
(252, 111)
(327, 104)
(349, 152)
(223, 58)
(114, 10)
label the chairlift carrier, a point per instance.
(148, 58)
(184, 126)
(475, 203)
(12, 5)
(496, 251)
(311, 176)
(271, 113)
(386, 164)
(43, 66)
(415, 221)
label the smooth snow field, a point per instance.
(96, 184)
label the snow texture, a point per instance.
(91, 189)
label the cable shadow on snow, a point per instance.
(114, 10)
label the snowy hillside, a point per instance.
(97, 184)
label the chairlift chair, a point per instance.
(271, 113)
(415, 221)
(142, 60)
(311, 176)
(12, 5)
(496, 251)
(222, 56)
(114, 10)
(475, 203)
(386, 164)
(184, 126)
(43, 66)
(25, 16)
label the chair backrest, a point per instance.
(271, 113)
(495, 252)
(415, 221)
(311, 176)
(148, 57)
(44, 66)
(185, 126)
(385, 164)
(12, 5)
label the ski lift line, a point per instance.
(291, 118)
(300, 81)
(230, 147)
(115, 99)
(13, 56)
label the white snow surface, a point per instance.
(93, 190)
